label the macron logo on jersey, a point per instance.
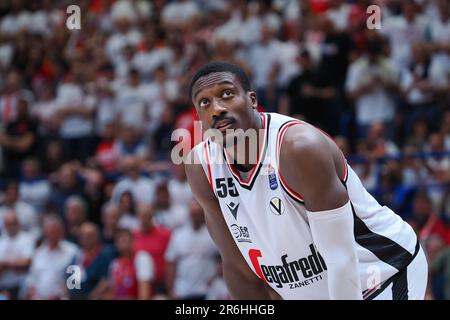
(290, 272)
(233, 209)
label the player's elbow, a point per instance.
(242, 283)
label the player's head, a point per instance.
(223, 98)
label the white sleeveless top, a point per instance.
(268, 222)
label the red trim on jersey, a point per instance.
(369, 292)
(280, 139)
(208, 164)
(250, 177)
(344, 178)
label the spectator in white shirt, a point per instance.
(25, 213)
(75, 113)
(339, 13)
(179, 190)
(16, 250)
(46, 279)
(140, 186)
(371, 80)
(420, 84)
(106, 109)
(190, 258)
(45, 111)
(148, 59)
(131, 104)
(439, 29)
(16, 20)
(179, 13)
(403, 30)
(126, 34)
(264, 63)
(166, 213)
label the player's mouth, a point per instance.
(224, 125)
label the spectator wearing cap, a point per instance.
(16, 251)
(50, 261)
(93, 259)
(153, 240)
(191, 263)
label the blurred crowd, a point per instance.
(91, 206)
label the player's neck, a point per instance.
(244, 151)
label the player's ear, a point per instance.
(253, 99)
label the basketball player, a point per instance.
(298, 224)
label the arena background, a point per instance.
(90, 95)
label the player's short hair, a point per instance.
(218, 66)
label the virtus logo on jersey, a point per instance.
(294, 273)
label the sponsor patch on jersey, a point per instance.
(292, 273)
(273, 183)
(276, 206)
(240, 233)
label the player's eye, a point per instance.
(203, 103)
(227, 94)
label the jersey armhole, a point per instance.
(294, 195)
(206, 163)
(286, 188)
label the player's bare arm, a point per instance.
(241, 281)
(311, 167)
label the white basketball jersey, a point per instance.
(268, 222)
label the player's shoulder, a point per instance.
(303, 137)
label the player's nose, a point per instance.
(217, 109)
